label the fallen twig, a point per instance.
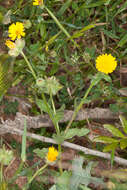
(69, 145)
(44, 120)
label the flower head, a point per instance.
(52, 154)
(106, 63)
(16, 30)
(10, 44)
(37, 2)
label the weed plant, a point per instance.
(67, 54)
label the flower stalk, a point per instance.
(29, 65)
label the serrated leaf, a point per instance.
(76, 132)
(40, 103)
(123, 143)
(99, 76)
(82, 176)
(110, 147)
(41, 152)
(62, 182)
(116, 132)
(124, 123)
(104, 139)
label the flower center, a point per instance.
(17, 32)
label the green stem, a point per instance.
(61, 26)
(58, 132)
(49, 112)
(79, 107)
(29, 65)
(1, 176)
(60, 162)
(54, 110)
(37, 172)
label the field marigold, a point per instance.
(106, 63)
(10, 44)
(37, 2)
(16, 30)
(52, 154)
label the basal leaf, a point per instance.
(116, 132)
(106, 140)
(82, 176)
(123, 143)
(124, 123)
(110, 147)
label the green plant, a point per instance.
(79, 178)
(119, 139)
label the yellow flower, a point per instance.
(52, 154)
(106, 63)
(37, 2)
(10, 44)
(16, 30)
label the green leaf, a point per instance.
(122, 8)
(58, 138)
(82, 176)
(76, 132)
(81, 32)
(106, 140)
(123, 41)
(63, 181)
(124, 123)
(116, 132)
(59, 114)
(64, 7)
(41, 152)
(40, 103)
(110, 34)
(123, 143)
(110, 147)
(99, 76)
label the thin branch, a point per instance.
(69, 145)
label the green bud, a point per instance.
(49, 85)
(19, 45)
(5, 156)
